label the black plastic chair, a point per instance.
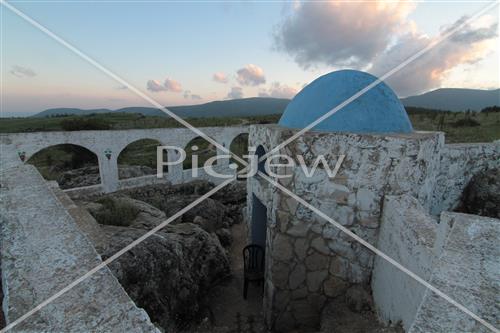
(253, 257)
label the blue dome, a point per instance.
(377, 111)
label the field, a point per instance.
(463, 127)
(484, 127)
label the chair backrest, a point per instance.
(253, 256)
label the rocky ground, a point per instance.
(89, 175)
(172, 273)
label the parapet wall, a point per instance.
(415, 239)
(43, 251)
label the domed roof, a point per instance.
(376, 111)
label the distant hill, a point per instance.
(256, 106)
(452, 99)
(455, 99)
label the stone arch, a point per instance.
(71, 165)
(204, 151)
(239, 146)
(139, 158)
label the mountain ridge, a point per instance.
(449, 99)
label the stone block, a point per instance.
(297, 276)
(339, 267)
(315, 280)
(301, 246)
(319, 245)
(317, 261)
(282, 248)
(334, 286)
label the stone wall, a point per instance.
(43, 251)
(309, 262)
(412, 237)
(467, 272)
(457, 164)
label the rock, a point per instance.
(315, 280)
(169, 273)
(297, 276)
(133, 171)
(358, 299)
(482, 194)
(334, 286)
(81, 177)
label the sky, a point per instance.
(195, 52)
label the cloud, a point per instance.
(21, 72)
(278, 90)
(188, 95)
(235, 93)
(340, 34)
(155, 86)
(220, 77)
(250, 75)
(168, 85)
(121, 87)
(172, 85)
(469, 46)
(377, 36)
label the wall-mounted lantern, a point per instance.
(22, 155)
(107, 153)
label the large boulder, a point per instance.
(169, 273)
(81, 177)
(482, 195)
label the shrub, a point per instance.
(115, 211)
(466, 122)
(84, 124)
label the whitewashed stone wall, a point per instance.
(467, 271)
(412, 237)
(115, 141)
(43, 251)
(309, 261)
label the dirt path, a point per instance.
(231, 313)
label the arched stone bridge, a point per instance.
(107, 146)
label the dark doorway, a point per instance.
(259, 222)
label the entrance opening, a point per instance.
(259, 222)
(260, 151)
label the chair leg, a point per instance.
(245, 289)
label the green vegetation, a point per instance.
(466, 126)
(119, 121)
(141, 152)
(115, 211)
(53, 161)
(204, 150)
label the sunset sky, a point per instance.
(192, 52)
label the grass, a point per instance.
(459, 127)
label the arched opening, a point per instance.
(139, 158)
(70, 165)
(259, 222)
(203, 151)
(239, 146)
(261, 165)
